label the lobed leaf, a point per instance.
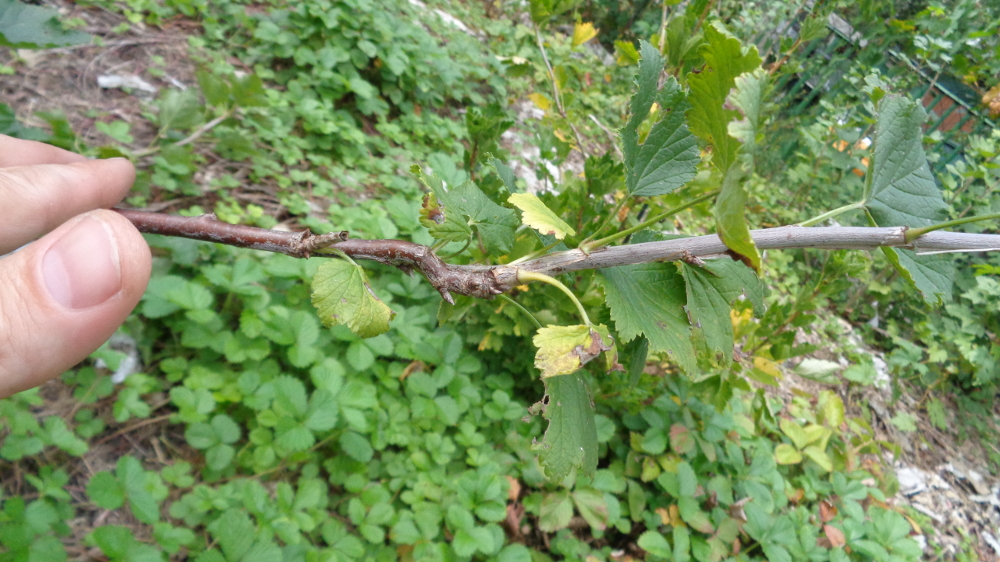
(452, 214)
(900, 191)
(725, 59)
(341, 295)
(711, 289)
(669, 156)
(649, 299)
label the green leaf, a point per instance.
(747, 97)
(342, 295)
(682, 544)
(795, 432)
(555, 512)
(592, 507)
(649, 299)
(133, 478)
(452, 214)
(504, 172)
(226, 429)
(904, 421)
(730, 206)
(730, 220)
(786, 454)
(63, 437)
(295, 439)
(536, 215)
(323, 411)
(235, 533)
(544, 10)
(249, 91)
(709, 311)
(935, 411)
(655, 544)
(818, 456)
(725, 59)
(356, 446)
(214, 88)
(114, 540)
(25, 26)
(179, 109)
(900, 191)
(571, 438)
(106, 491)
(562, 350)
(668, 157)
(220, 457)
(932, 275)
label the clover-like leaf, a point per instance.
(342, 295)
(538, 216)
(562, 350)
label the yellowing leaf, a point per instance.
(819, 456)
(342, 295)
(540, 101)
(564, 349)
(583, 32)
(626, 53)
(769, 367)
(786, 454)
(538, 216)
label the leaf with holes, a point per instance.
(571, 438)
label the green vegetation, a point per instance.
(601, 415)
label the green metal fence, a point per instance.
(951, 104)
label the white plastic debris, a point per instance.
(129, 81)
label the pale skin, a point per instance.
(79, 269)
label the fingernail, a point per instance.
(82, 269)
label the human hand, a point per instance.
(64, 294)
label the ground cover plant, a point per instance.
(340, 408)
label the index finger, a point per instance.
(20, 152)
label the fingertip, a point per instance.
(118, 174)
(136, 259)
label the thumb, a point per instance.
(62, 296)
